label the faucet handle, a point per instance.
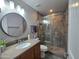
(19, 40)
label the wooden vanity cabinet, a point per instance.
(32, 53)
(37, 52)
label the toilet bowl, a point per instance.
(43, 50)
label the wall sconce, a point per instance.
(22, 11)
(46, 22)
(76, 4)
(11, 4)
(2, 4)
(18, 8)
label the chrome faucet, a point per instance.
(20, 41)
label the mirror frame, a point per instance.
(25, 24)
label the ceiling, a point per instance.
(43, 6)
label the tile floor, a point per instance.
(52, 56)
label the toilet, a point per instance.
(43, 50)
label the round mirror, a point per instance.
(13, 24)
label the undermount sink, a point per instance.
(23, 45)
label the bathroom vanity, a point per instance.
(30, 52)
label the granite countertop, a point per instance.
(11, 52)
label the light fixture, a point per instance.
(2, 4)
(75, 4)
(46, 22)
(22, 11)
(18, 8)
(51, 10)
(11, 4)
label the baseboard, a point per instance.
(71, 56)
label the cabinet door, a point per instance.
(37, 52)
(27, 55)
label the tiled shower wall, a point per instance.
(55, 32)
(60, 30)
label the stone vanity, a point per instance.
(32, 51)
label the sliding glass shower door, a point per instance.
(54, 30)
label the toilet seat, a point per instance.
(43, 48)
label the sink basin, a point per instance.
(23, 45)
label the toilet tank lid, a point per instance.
(43, 47)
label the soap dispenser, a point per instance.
(29, 37)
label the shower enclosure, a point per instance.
(53, 30)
